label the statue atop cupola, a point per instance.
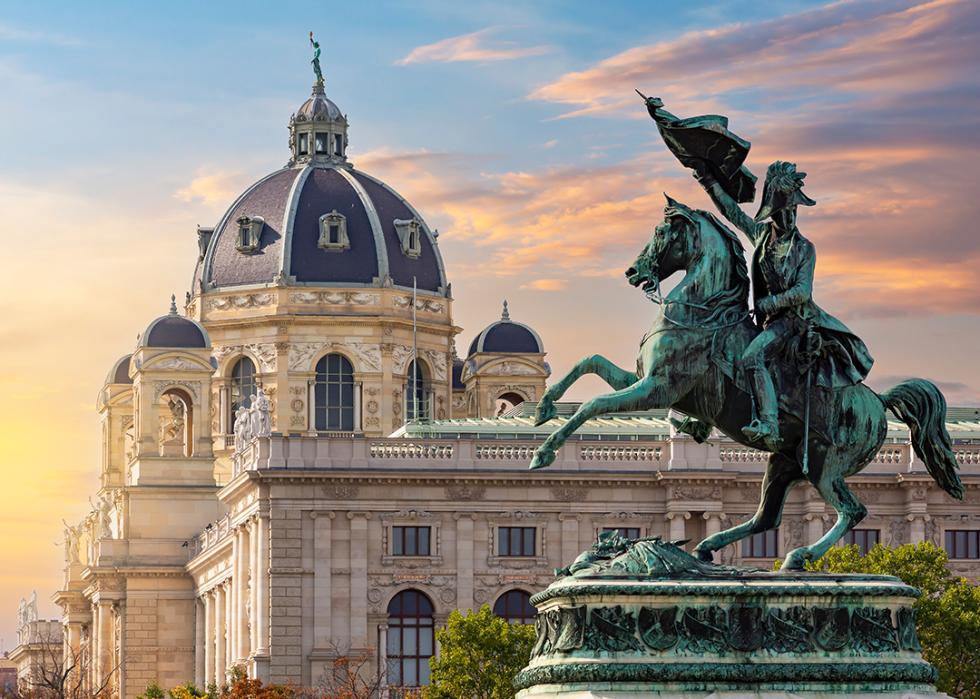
(318, 130)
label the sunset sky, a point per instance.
(512, 127)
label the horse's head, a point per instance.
(670, 249)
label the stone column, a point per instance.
(242, 645)
(677, 527)
(358, 578)
(253, 567)
(917, 528)
(713, 522)
(209, 638)
(262, 587)
(814, 527)
(383, 655)
(570, 546)
(105, 640)
(464, 564)
(200, 640)
(357, 406)
(311, 408)
(234, 596)
(322, 563)
(229, 629)
(223, 417)
(220, 647)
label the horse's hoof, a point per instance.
(542, 458)
(544, 412)
(703, 555)
(795, 560)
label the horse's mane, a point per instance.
(737, 297)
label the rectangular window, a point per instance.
(334, 234)
(515, 541)
(962, 544)
(760, 546)
(410, 541)
(304, 143)
(338, 145)
(864, 538)
(625, 532)
(321, 144)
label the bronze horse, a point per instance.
(689, 361)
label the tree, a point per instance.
(59, 671)
(947, 614)
(479, 656)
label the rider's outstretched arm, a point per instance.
(727, 206)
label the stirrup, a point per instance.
(764, 430)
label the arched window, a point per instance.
(243, 387)
(410, 639)
(415, 395)
(515, 607)
(334, 394)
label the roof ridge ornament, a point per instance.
(505, 316)
(173, 304)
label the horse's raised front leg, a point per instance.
(596, 364)
(782, 474)
(638, 396)
(850, 511)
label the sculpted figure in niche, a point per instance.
(174, 430)
(261, 411)
(72, 535)
(32, 607)
(243, 428)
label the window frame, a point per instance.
(864, 548)
(519, 619)
(325, 409)
(522, 520)
(232, 407)
(326, 222)
(419, 622)
(763, 540)
(974, 544)
(411, 518)
(400, 540)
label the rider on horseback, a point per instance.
(782, 278)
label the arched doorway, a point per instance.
(411, 640)
(505, 402)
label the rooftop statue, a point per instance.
(789, 381)
(316, 59)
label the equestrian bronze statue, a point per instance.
(788, 381)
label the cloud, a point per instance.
(471, 47)
(213, 189)
(9, 33)
(846, 47)
(550, 144)
(547, 284)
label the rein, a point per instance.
(661, 300)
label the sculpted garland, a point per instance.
(784, 377)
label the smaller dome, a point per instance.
(173, 330)
(458, 365)
(319, 104)
(505, 336)
(119, 373)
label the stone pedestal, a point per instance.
(622, 633)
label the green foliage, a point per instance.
(947, 614)
(152, 691)
(479, 656)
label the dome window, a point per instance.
(249, 233)
(304, 144)
(333, 231)
(322, 141)
(410, 235)
(338, 145)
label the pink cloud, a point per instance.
(471, 47)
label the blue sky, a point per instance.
(515, 131)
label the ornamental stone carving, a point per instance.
(340, 492)
(193, 387)
(512, 369)
(681, 493)
(243, 301)
(465, 493)
(421, 304)
(300, 354)
(569, 494)
(400, 357)
(369, 356)
(347, 298)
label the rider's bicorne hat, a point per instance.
(783, 188)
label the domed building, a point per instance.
(376, 481)
(504, 367)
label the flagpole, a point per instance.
(415, 351)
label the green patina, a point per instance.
(788, 382)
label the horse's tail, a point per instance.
(921, 406)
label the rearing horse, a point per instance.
(689, 361)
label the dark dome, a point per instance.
(119, 373)
(458, 365)
(290, 204)
(319, 104)
(173, 330)
(506, 336)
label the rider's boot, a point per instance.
(766, 426)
